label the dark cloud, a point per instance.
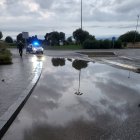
(65, 15)
(128, 7)
(93, 10)
(45, 4)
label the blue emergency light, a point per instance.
(35, 43)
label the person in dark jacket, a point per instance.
(20, 47)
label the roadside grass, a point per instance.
(7, 45)
(64, 47)
(5, 55)
(12, 45)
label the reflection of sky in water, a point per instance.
(108, 96)
(106, 90)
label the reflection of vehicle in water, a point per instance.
(35, 47)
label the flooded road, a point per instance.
(80, 100)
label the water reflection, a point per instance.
(78, 129)
(53, 113)
(58, 62)
(36, 60)
(69, 59)
(78, 65)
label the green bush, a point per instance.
(124, 44)
(118, 44)
(5, 59)
(9, 39)
(7, 45)
(106, 44)
(5, 55)
(12, 45)
(91, 44)
(130, 36)
(101, 44)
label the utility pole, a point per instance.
(81, 14)
(136, 29)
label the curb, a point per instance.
(84, 57)
(9, 116)
(129, 67)
(99, 54)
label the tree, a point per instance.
(91, 37)
(47, 40)
(19, 37)
(1, 35)
(54, 37)
(80, 35)
(9, 39)
(62, 36)
(69, 39)
(130, 37)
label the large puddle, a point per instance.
(80, 100)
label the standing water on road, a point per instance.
(80, 100)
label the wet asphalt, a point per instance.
(14, 79)
(80, 100)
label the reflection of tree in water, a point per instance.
(69, 59)
(58, 62)
(78, 65)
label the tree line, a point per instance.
(80, 37)
(89, 41)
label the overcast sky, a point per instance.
(100, 17)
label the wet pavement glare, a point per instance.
(80, 100)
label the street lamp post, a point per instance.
(136, 29)
(78, 92)
(81, 14)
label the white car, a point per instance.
(37, 49)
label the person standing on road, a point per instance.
(20, 47)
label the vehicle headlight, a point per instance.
(34, 49)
